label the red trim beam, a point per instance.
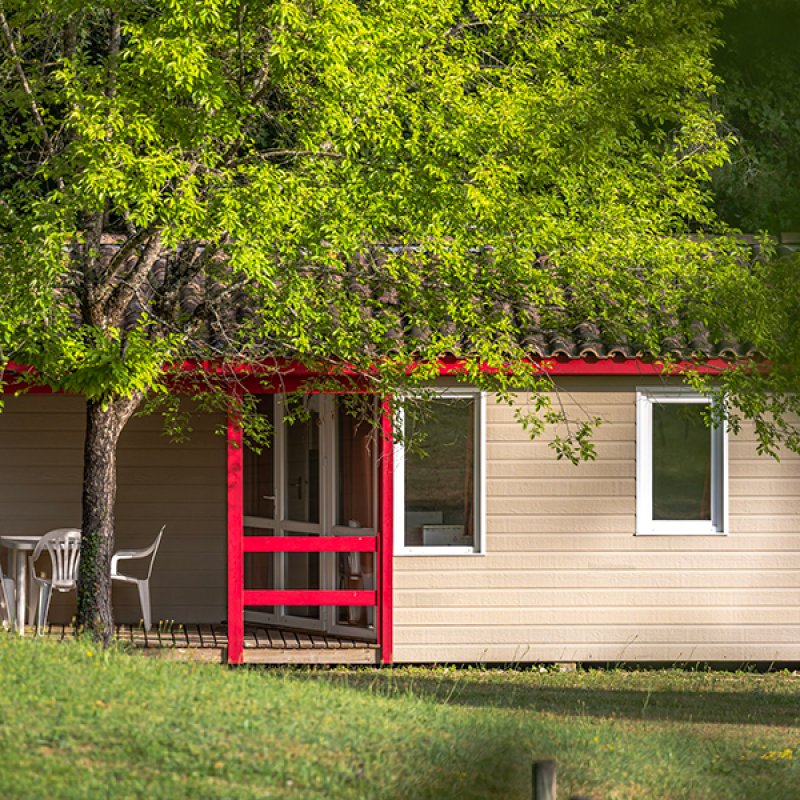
(309, 597)
(310, 544)
(289, 375)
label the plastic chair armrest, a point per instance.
(124, 554)
(129, 554)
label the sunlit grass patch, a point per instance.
(78, 721)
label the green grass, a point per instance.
(78, 722)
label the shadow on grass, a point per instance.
(469, 764)
(699, 704)
(487, 752)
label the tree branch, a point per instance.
(270, 154)
(91, 253)
(114, 44)
(26, 87)
(118, 260)
(126, 290)
(193, 267)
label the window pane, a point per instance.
(301, 571)
(681, 462)
(356, 572)
(440, 484)
(259, 571)
(355, 475)
(259, 472)
(302, 469)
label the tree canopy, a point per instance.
(758, 191)
(292, 152)
(335, 182)
(759, 63)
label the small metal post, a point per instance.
(544, 780)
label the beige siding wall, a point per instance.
(564, 578)
(184, 486)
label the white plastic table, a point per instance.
(17, 547)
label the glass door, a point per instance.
(301, 456)
(260, 513)
(317, 478)
(283, 497)
(353, 513)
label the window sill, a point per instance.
(682, 532)
(438, 551)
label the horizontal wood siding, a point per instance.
(564, 577)
(180, 485)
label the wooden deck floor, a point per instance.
(262, 644)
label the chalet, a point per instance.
(679, 543)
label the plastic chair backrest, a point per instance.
(64, 547)
(152, 550)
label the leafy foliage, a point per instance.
(759, 191)
(364, 181)
(759, 63)
(764, 306)
(354, 187)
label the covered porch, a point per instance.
(222, 553)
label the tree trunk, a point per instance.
(104, 424)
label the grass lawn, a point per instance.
(78, 722)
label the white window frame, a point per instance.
(399, 482)
(646, 398)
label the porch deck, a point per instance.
(262, 644)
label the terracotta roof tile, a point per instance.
(585, 340)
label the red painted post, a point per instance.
(235, 540)
(386, 550)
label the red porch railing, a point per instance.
(311, 544)
(239, 544)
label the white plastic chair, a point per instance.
(8, 596)
(64, 548)
(143, 584)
